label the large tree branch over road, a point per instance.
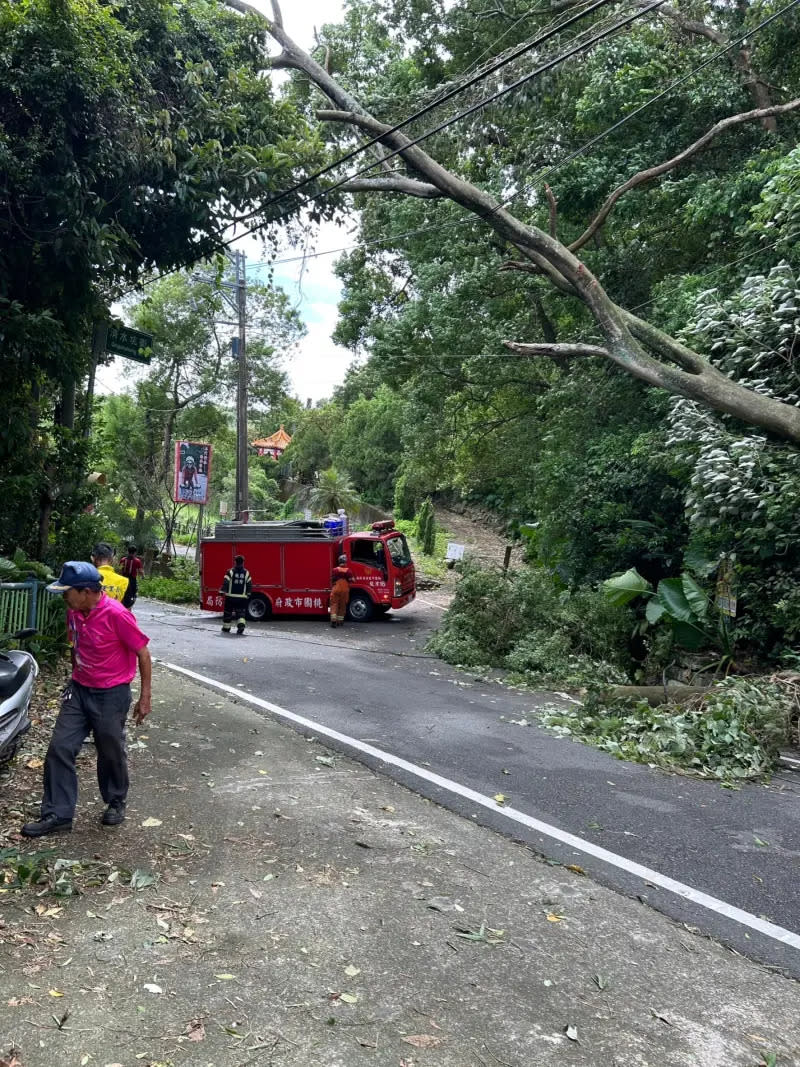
(631, 343)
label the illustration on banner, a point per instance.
(192, 471)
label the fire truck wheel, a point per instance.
(258, 608)
(360, 608)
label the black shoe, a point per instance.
(113, 815)
(48, 824)
(240, 631)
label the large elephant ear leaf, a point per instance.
(670, 593)
(654, 610)
(689, 636)
(624, 588)
(695, 596)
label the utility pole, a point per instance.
(242, 482)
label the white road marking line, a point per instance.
(696, 896)
(430, 603)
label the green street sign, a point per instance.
(132, 344)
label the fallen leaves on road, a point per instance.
(484, 934)
(151, 822)
(423, 1040)
(195, 1031)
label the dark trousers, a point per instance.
(129, 597)
(234, 609)
(103, 712)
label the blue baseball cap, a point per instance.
(76, 575)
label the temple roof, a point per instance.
(280, 439)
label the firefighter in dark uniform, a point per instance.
(237, 585)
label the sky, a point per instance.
(318, 364)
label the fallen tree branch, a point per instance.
(656, 694)
(557, 350)
(395, 184)
(691, 376)
(650, 173)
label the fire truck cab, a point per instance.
(291, 564)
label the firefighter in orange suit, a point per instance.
(341, 578)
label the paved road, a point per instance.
(375, 683)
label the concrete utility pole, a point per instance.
(242, 444)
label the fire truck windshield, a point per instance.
(398, 550)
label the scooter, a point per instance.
(18, 673)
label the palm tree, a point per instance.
(333, 491)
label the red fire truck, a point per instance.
(291, 563)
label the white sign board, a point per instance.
(454, 551)
(223, 507)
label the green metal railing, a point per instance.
(25, 604)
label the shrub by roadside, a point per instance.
(171, 590)
(521, 621)
(733, 732)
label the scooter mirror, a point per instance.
(23, 635)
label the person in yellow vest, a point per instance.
(115, 585)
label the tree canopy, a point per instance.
(132, 136)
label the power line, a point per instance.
(716, 270)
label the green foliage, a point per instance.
(366, 443)
(18, 568)
(332, 492)
(422, 519)
(743, 490)
(591, 459)
(523, 622)
(682, 603)
(184, 395)
(734, 732)
(309, 451)
(405, 504)
(172, 590)
(114, 156)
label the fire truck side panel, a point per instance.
(307, 567)
(216, 557)
(265, 563)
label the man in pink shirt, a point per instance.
(107, 645)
